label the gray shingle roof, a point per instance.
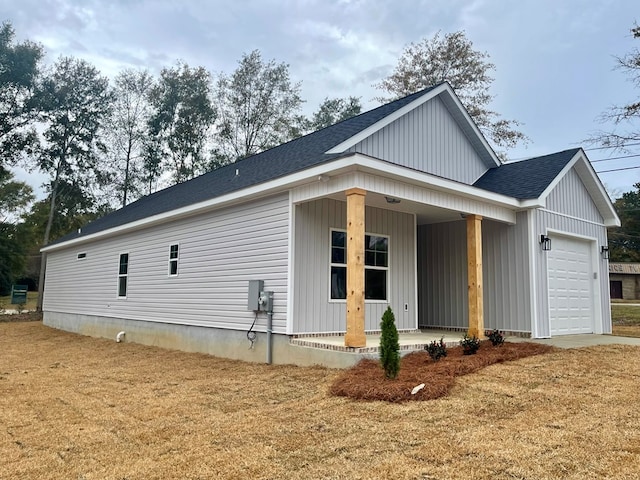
(525, 179)
(290, 157)
(522, 180)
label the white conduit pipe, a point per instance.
(120, 336)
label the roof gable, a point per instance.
(535, 178)
(451, 101)
(526, 179)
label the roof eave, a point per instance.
(591, 182)
(345, 163)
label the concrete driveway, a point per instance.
(577, 341)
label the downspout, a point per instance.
(269, 327)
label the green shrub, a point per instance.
(496, 337)
(389, 346)
(470, 345)
(437, 350)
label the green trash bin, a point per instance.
(19, 294)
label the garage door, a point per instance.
(570, 286)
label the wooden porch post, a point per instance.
(355, 336)
(474, 273)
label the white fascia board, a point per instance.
(423, 179)
(471, 124)
(594, 187)
(443, 89)
(239, 196)
(340, 165)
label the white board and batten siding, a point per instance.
(313, 310)
(219, 252)
(427, 139)
(573, 279)
(442, 274)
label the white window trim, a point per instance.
(387, 268)
(125, 275)
(177, 260)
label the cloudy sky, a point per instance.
(554, 59)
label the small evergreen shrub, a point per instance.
(496, 337)
(389, 346)
(470, 345)
(437, 350)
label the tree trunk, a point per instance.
(47, 232)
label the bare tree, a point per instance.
(258, 108)
(625, 118)
(126, 132)
(453, 59)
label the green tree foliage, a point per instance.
(76, 101)
(19, 69)
(15, 196)
(126, 133)
(258, 108)
(180, 124)
(624, 241)
(334, 110)
(625, 118)
(389, 346)
(453, 59)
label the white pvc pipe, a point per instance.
(120, 336)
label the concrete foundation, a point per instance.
(213, 341)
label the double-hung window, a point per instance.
(123, 273)
(376, 266)
(173, 260)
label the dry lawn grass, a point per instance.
(74, 407)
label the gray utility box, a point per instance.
(255, 288)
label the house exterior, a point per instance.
(404, 206)
(624, 281)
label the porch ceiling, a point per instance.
(425, 214)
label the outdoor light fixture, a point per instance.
(323, 178)
(392, 200)
(545, 242)
(605, 251)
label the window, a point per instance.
(376, 266)
(173, 260)
(123, 272)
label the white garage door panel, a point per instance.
(570, 286)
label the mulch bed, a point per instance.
(21, 317)
(366, 380)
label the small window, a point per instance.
(123, 273)
(376, 266)
(173, 260)
(82, 255)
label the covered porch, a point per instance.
(411, 212)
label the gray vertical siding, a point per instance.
(543, 221)
(426, 139)
(507, 286)
(442, 275)
(312, 309)
(219, 253)
(572, 198)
